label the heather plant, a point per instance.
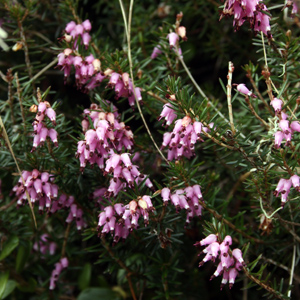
(149, 150)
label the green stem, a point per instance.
(128, 29)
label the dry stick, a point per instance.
(293, 257)
(269, 81)
(229, 86)
(26, 52)
(72, 8)
(9, 78)
(291, 173)
(122, 265)
(202, 93)
(296, 106)
(221, 218)
(239, 181)
(255, 114)
(263, 285)
(4, 207)
(283, 267)
(259, 94)
(127, 30)
(217, 141)
(297, 238)
(42, 71)
(290, 222)
(20, 100)
(20, 173)
(67, 232)
(155, 96)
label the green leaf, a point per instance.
(3, 282)
(98, 293)
(22, 256)
(10, 286)
(9, 246)
(85, 276)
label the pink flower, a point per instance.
(244, 90)
(295, 126)
(173, 38)
(277, 105)
(87, 25)
(156, 52)
(279, 135)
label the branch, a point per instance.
(128, 29)
(229, 86)
(221, 218)
(122, 265)
(255, 114)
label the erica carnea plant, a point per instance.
(149, 150)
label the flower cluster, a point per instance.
(88, 74)
(44, 246)
(39, 126)
(168, 113)
(284, 186)
(120, 220)
(286, 127)
(181, 141)
(109, 133)
(62, 264)
(87, 69)
(187, 199)
(229, 262)
(40, 187)
(74, 32)
(173, 38)
(121, 167)
(252, 10)
(100, 147)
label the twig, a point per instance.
(229, 86)
(20, 100)
(288, 169)
(72, 9)
(20, 173)
(297, 238)
(42, 71)
(155, 96)
(4, 207)
(122, 265)
(269, 260)
(269, 82)
(9, 78)
(265, 213)
(201, 92)
(232, 226)
(239, 181)
(67, 232)
(217, 141)
(259, 94)
(263, 285)
(26, 52)
(127, 29)
(255, 114)
(290, 222)
(293, 258)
